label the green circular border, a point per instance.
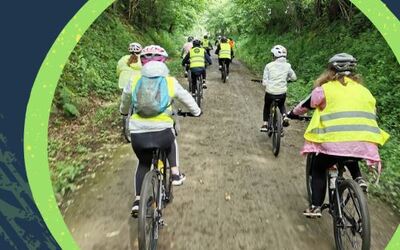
(38, 110)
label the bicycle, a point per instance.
(224, 71)
(156, 193)
(198, 91)
(344, 194)
(275, 124)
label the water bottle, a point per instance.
(333, 173)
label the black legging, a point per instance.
(320, 164)
(144, 143)
(227, 62)
(268, 101)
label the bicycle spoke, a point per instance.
(351, 227)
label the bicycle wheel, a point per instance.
(310, 158)
(352, 230)
(223, 72)
(277, 129)
(198, 90)
(148, 224)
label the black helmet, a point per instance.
(190, 38)
(205, 36)
(196, 43)
(224, 39)
(343, 62)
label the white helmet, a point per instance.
(135, 48)
(153, 53)
(279, 51)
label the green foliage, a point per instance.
(64, 175)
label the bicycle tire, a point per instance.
(223, 72)
(360, 225)
(147, 207)
(276, 136)
(198, 95)
(310, 158)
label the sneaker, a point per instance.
(219, 67)
(177, 180)
(194, 94)
(264, 128)
(186, 74)
(285, 122)
(204, 85)
(227, 77)
(282, 133)
(362, 183)
(135, 209)
(313, 212)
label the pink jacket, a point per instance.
(365, 150)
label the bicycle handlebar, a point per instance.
(179, 112)
(256, 80)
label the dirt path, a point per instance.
(222, 154)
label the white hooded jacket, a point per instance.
(276, 75)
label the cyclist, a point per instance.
(185, 50)
(343, 126)
(149, 132)
(276, 75)
(129, 65)
(207, 44)
(218, 40)
(197, 59)
(225, 53)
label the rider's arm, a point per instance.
(218, 49)
(184, 97)
(312, 101)
(126, 99)
(292, 75)
(207, 59)
(186, 59)
(265, 76)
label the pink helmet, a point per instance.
(153, 53)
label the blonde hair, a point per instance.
(133, 59)
(332, 75)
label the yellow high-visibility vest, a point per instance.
(349, 115)
(197, 58)
(205, 43)
(166, 115)
(125, 72)
(225, 51)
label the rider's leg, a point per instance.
(193, 75)
(282, 108)
(266, 112)
(220, 63)
(227, 62)
(173, 159)
(355, 172)
(204, 74)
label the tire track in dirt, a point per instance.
(237, 194)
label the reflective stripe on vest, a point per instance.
(197, 58)
(163, 117)
(225, 51)
(349, 115)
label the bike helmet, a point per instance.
(135, 48)
(190, 38)
(343, 62)
(224, 39)
(153, 53)
(196, 43)
(205, 36)
(279, 51)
